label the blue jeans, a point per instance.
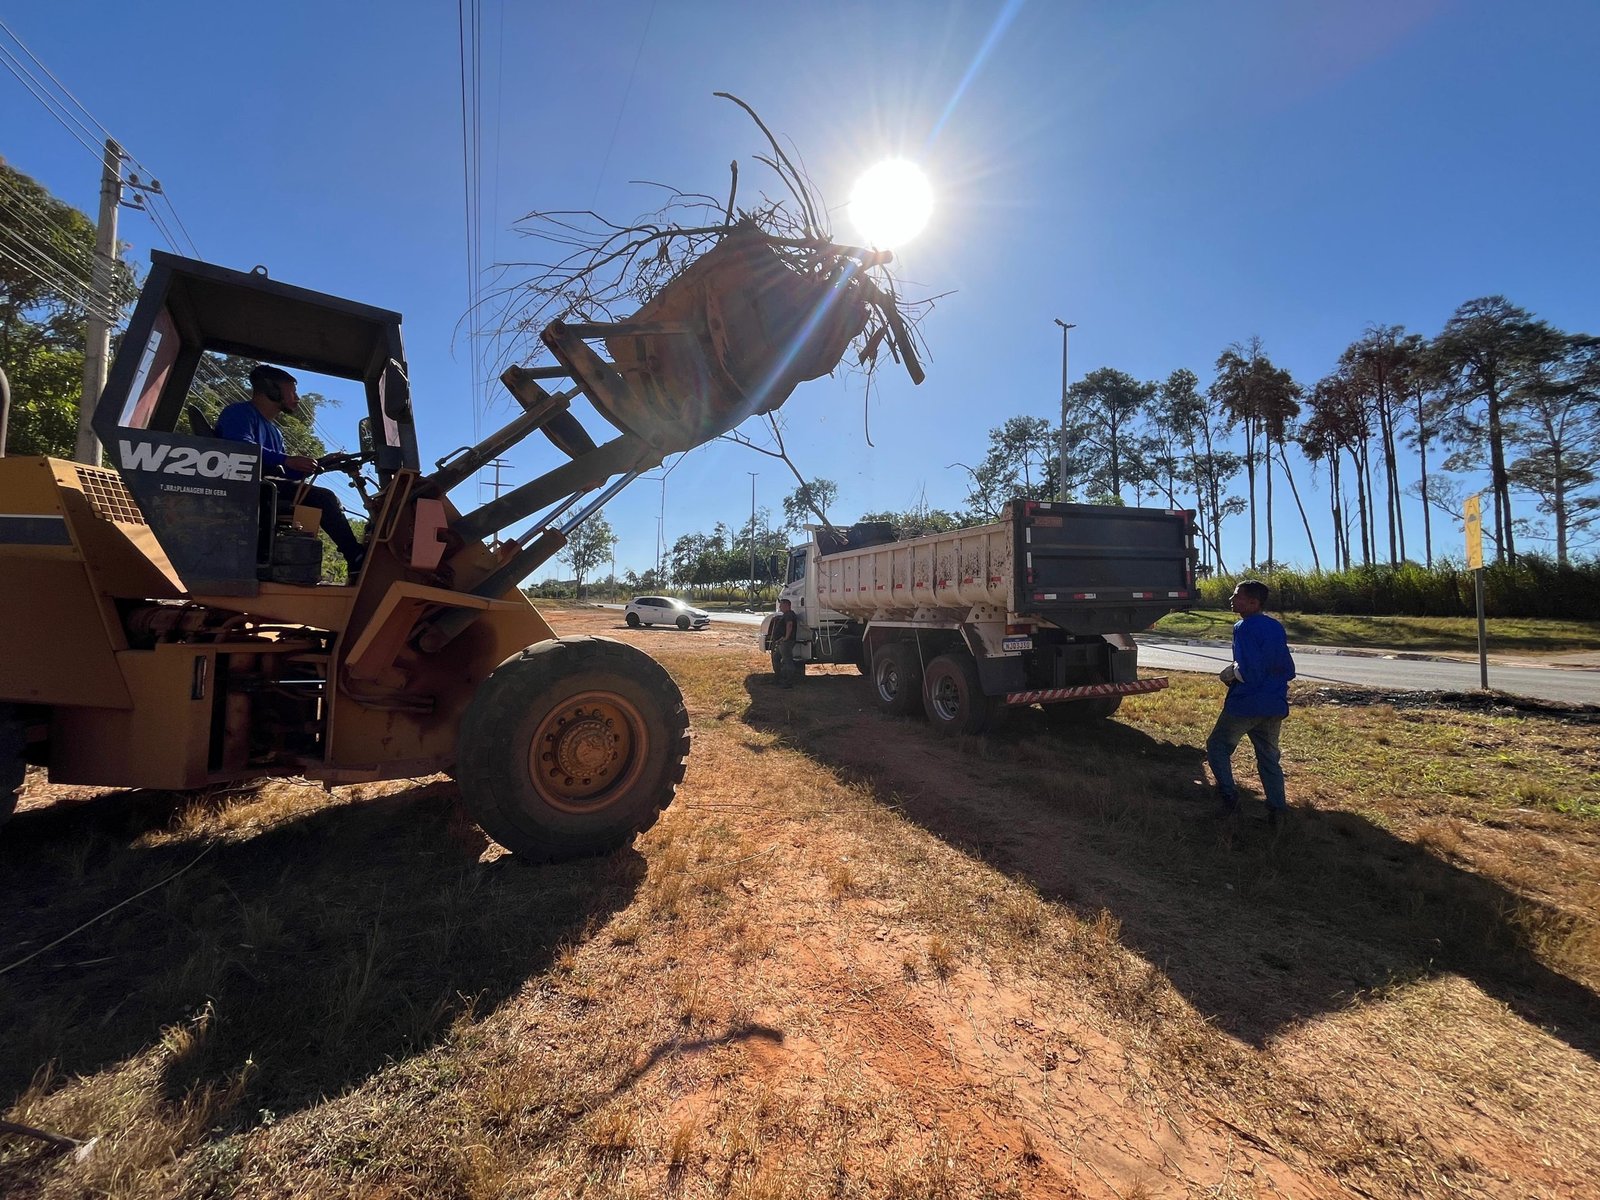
(1228, 732)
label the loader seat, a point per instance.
(199, 424)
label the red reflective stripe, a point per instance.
(1088, 690)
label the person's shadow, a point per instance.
(1259, 930)
(281, 967)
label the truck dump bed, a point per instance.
(1087, 568)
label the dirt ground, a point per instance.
(854, 959)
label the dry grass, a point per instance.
(851, 961)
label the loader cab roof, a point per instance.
(188, 308)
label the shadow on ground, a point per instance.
(317, 951)
(1259, 931)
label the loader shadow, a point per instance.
(1260, 931)
(284, 966)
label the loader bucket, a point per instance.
(732, 336)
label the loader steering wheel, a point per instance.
(350, 465)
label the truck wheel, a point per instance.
(798, 667)
(13, 770)
(1066, 714)
(633, 620)
(572, 747)
(953, 698)
(897, 679)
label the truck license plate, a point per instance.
(1016, 643)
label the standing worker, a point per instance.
(1257, 701)
(272, 391)
(786, 633)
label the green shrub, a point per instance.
(1532, 586)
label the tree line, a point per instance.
(1496, 390)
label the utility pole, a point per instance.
(97, 338)
(752, 475)
(1061, 478)
(661, 531)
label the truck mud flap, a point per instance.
(1048, 695)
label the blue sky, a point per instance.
(1171, 177)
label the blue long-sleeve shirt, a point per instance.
(243, 422)
(1265, 666)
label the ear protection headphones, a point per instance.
(269, 387)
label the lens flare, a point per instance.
(891, 203)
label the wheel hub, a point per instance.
(581, 751)
(889, 682)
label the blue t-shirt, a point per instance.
(1261, 654)
(243, 422)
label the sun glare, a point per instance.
(891, 203)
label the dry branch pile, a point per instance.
(727, 307)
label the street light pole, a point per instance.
(752, 475)
(1061, 477)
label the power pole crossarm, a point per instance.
(97, 333)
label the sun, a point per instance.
(891, 203)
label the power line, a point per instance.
(103, 133)
(40, 93)
(88, 130)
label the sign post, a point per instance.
(1473, 515)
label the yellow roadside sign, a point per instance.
(1474, 519)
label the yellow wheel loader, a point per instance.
(160, 623)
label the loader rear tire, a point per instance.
(572, 747)
(897, 679)
(13, 770)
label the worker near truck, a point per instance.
(1257, 701)
(272, 391)
(786, 633)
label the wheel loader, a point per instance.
(160, 629)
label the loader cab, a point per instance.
(201, 496)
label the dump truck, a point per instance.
(162, 623)
(1038, 608)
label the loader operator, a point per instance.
(272, 391)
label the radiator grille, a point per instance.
(109, 497)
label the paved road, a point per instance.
(732, 618)
(1557, 684)
(1561, 685)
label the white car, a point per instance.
(664, 610)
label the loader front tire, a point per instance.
(572, 747)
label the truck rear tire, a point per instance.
(797, 666)
(572, 747)
(1067, 714)
(954, 698)
(897, 679)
